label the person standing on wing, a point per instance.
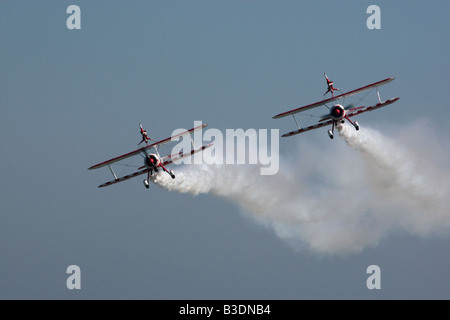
(330, 86)
(145, 138)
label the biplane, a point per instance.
(153, 162)
(337, 113)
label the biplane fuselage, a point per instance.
(338, 112)
(152, 161)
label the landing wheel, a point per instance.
(146, 184)
(356, 125)
(330, 134)
(172, 174)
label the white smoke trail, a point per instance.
(408, 179)
(334, 201)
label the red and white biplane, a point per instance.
(337, 112)
(153, 162)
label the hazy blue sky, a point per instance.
(72, 98)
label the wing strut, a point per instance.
(378, 94)
(293, 115)
(112, 171)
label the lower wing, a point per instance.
(316, 126)
(358, 110)
(132, 175)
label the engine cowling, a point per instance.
(152, 161)
(337, 112)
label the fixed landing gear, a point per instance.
(150, 172)
(355, 124)
(330, 134)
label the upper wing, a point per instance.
(321, 103)
(358, 110)
(153, 145)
